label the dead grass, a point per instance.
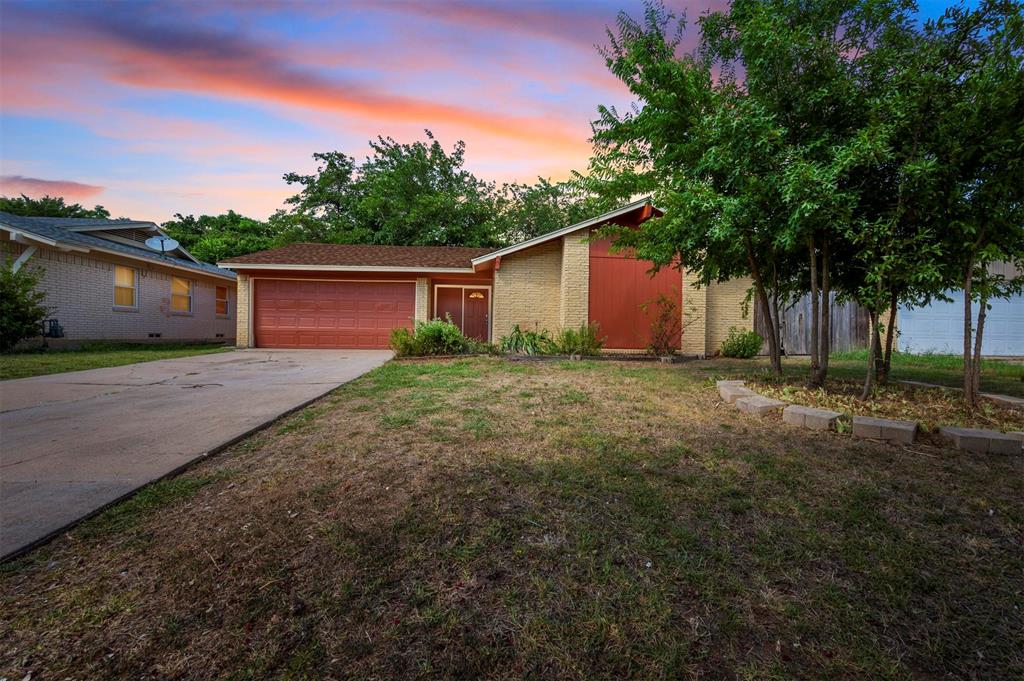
(576, 520)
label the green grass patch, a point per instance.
(95, 356)
(146, 501)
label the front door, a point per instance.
(476, 312)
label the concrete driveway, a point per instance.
(72, 443)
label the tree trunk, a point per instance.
(825, 338)
(976, 362)
(890, 335)
(762, 297)
(869, 378)
(969, 399)
(815, 313)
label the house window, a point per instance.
(181, 294)
(222, 300)
(126, 286)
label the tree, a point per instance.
(49, 207)
(21, 306)
(736, 161)
(212, 238)
(523, 211)
(409, 194)
(977, 138)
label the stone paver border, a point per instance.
(809, 417)
(736, 393)
(983, 441)
(889, 430)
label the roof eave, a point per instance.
(537, 240)
(343, 268)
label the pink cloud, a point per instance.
(13, 185)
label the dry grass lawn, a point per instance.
(547, 520)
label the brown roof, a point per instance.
(363, 256)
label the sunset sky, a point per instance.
(199, 107)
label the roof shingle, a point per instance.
(62, 230)
(359, 255)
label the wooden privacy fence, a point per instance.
(849, 327)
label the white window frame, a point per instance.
(191, 295)
(227, 301)
(135, 288)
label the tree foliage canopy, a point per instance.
(49, 207)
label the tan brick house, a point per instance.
(102, 282)
(351, 296)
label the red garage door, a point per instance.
(292, 313)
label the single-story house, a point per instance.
(103, 283)
(352, 296)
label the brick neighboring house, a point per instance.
(351, 296)
(102, 283)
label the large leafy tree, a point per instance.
(414, 194)
(211, 238)
(977, 140)
(522, 211)
(49, 207)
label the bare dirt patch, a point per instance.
(580, 519)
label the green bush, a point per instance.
(581, 341)
(436, 337)
(521, 342)
(21, 306)
(741, 344)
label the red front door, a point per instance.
(476, 314)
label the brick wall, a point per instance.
(725, 310)
(242, 338)
(709, 312)
(80, 290)
(527, 290)
(575, 280)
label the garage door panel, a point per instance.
(330, 314)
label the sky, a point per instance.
(157, 108)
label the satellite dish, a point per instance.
(161, 243)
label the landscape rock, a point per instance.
(889, 430)
(758, 405)
(809, 417)
(983, 441)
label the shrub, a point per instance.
(527, 342)
(667, 325)
(436, 337)
(21, 306)
(581, 341)
(741, 344)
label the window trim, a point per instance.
(226, 314)
(135, 288)
(191, 296)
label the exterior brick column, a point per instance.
(695, 309)
(422, 299)
(574, 290)
(242, 339)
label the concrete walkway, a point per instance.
(72, 443)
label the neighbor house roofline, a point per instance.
(343, 268)
(537, 240)
(80, 241)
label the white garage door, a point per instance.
(940, 327)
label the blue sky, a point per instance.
(154, 108)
